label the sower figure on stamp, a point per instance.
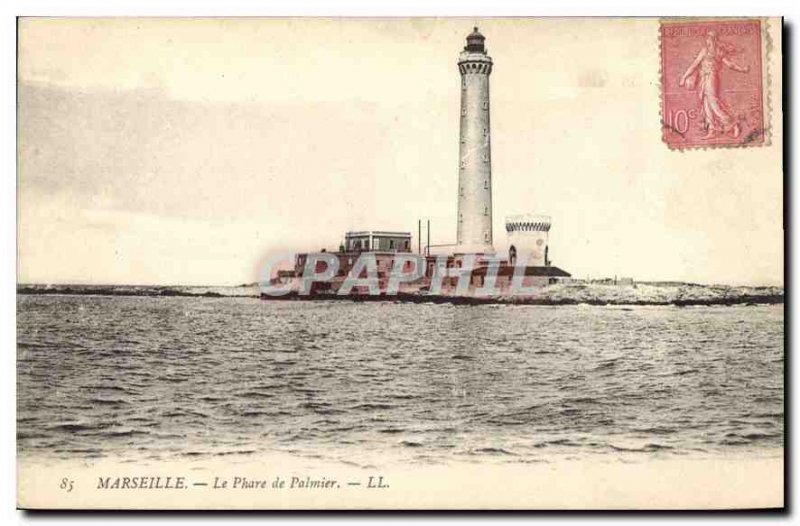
(707, 66)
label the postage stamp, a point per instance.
(289, 291)
(713, 83)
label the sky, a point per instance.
(185, 151)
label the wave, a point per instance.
(391, 431)
(77, 428)
(493, 451)
(647, 448)
(373, 407)
(108, 401)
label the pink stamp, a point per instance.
(712, 83)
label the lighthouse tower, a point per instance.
(474, 232)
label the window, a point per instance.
(486, 210)
(486, 184)
(464, 111)
(486, 105)
(485, 157)
(463, 163)
(391, 244)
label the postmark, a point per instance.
(713, 82)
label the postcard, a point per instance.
(400, 263)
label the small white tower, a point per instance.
(527, 240)
(474, 232)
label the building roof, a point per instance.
(377, 233)
(508, 270)
(475, 42)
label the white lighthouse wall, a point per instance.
(530, 247)
(529, 234)
(474, 232)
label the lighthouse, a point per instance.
(528, 263)
(474, 231)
